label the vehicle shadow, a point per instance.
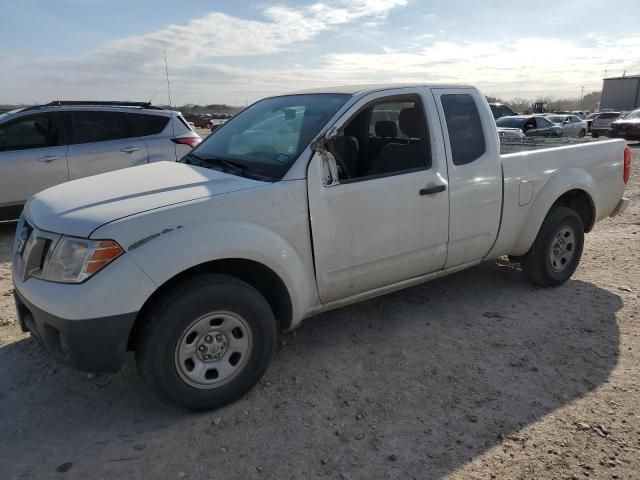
(416, 383)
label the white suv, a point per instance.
(44, 145)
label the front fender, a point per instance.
(561, 182)
(165, 256)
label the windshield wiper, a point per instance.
(204, 161)
(230, 164)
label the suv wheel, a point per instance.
(557, 249)
(207, 342)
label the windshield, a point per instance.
(267, 137)
(509, 122)
(633, 115)
(556, 118)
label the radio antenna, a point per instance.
(166, 69)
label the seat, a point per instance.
(386, 133)
(397, 156)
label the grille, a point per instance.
(33, 249)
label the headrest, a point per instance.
(386, 129)
(409, 122)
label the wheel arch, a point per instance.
(573, 188)
(256, 274)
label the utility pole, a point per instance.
(581, 94)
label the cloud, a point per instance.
(224, 58)
(195, 48)
(525, 67)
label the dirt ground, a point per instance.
(478, 375)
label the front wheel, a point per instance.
(557, 249)
(594, 135)
(207, 342)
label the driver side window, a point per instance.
(386, 137)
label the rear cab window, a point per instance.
(466, 134)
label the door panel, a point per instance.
(33, 156)
(378, 231)
(26, 172)
(103, 141)
(94, 158)
(475, 188)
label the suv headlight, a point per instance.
(75, 259)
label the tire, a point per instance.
(207, 342)
(556, 251)
(594, 135)
(582, 133)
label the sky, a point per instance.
(238, 51)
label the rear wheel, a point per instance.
(595, 135)
(207, 342)
(557, 249)
(582, 133)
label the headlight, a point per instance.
(75, 259)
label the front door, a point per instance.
(33, 156)
(386, 219)
(103, 142)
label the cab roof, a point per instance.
(374, 87)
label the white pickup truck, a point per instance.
(299, 204)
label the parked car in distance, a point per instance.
(627, 127)
(501, 110)
(197, 120)
(531, 125)
(510, 133)
(44, 145)
(572, 125)
(215, 124)
(602, 123)
(579, 113)
(295, 207)
(590, 118)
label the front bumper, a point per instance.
(92, 345)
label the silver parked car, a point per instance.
(572, 125)
(44, 145)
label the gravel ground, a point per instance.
(477, 375)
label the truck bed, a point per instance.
(541, 171)
(513, 145)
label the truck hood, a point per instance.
(78, 207)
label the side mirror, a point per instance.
(321, 147)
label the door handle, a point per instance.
(432, 190)
(129, 149)
(48, 158)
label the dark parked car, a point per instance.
(627, 127)
(531, 125)
(500, 110)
